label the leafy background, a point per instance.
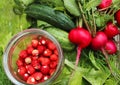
(92, 71)
(10, 24)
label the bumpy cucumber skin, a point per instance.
(49, 15)
(62, 37)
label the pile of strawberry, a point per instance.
(38, 61)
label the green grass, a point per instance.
(10, 24)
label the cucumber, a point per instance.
(49, 15)
(62, 37)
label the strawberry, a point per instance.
(31, 80)
(51, 46)
(53, 57)
(38, 75)
(35, 43)
(19, 62)
(23, 54)
(41, 49)
(45, 69)
(30, 69)
(21, 70)
(47, 52)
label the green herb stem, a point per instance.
(106, 59)
(84, 18)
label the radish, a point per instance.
(111, 30)
(82, 38)
(99, 40)
(98, 43)
(117, 17)
(110, 47)
(104, 4)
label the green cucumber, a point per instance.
(62, 37)
(49, 15)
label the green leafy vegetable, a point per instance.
(72, 7)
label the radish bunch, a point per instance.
(103, 40)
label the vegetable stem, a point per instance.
(84, 18)
(106, 58)
(78, 55)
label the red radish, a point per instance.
(80, 37)
(110, 47)
(117, 17)
(99, 40)
(111, 30)
(104, 4)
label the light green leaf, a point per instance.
(91, 4)
(76, 78)
(72, 7)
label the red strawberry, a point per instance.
(45, 69)
(38, 75)
(43, 41)
(28, 60)
(29, 50)
(51, 46)
(53, 64)
(22, 70)
(23, 54)
(35, 52)
(31, 80)
(41, 49)
(30, 69)
(44, 61)
(47, 52)
(25, 76)
(53, 57)
(56, 51)
(19, 62)
(35, 43)
(36, 64)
